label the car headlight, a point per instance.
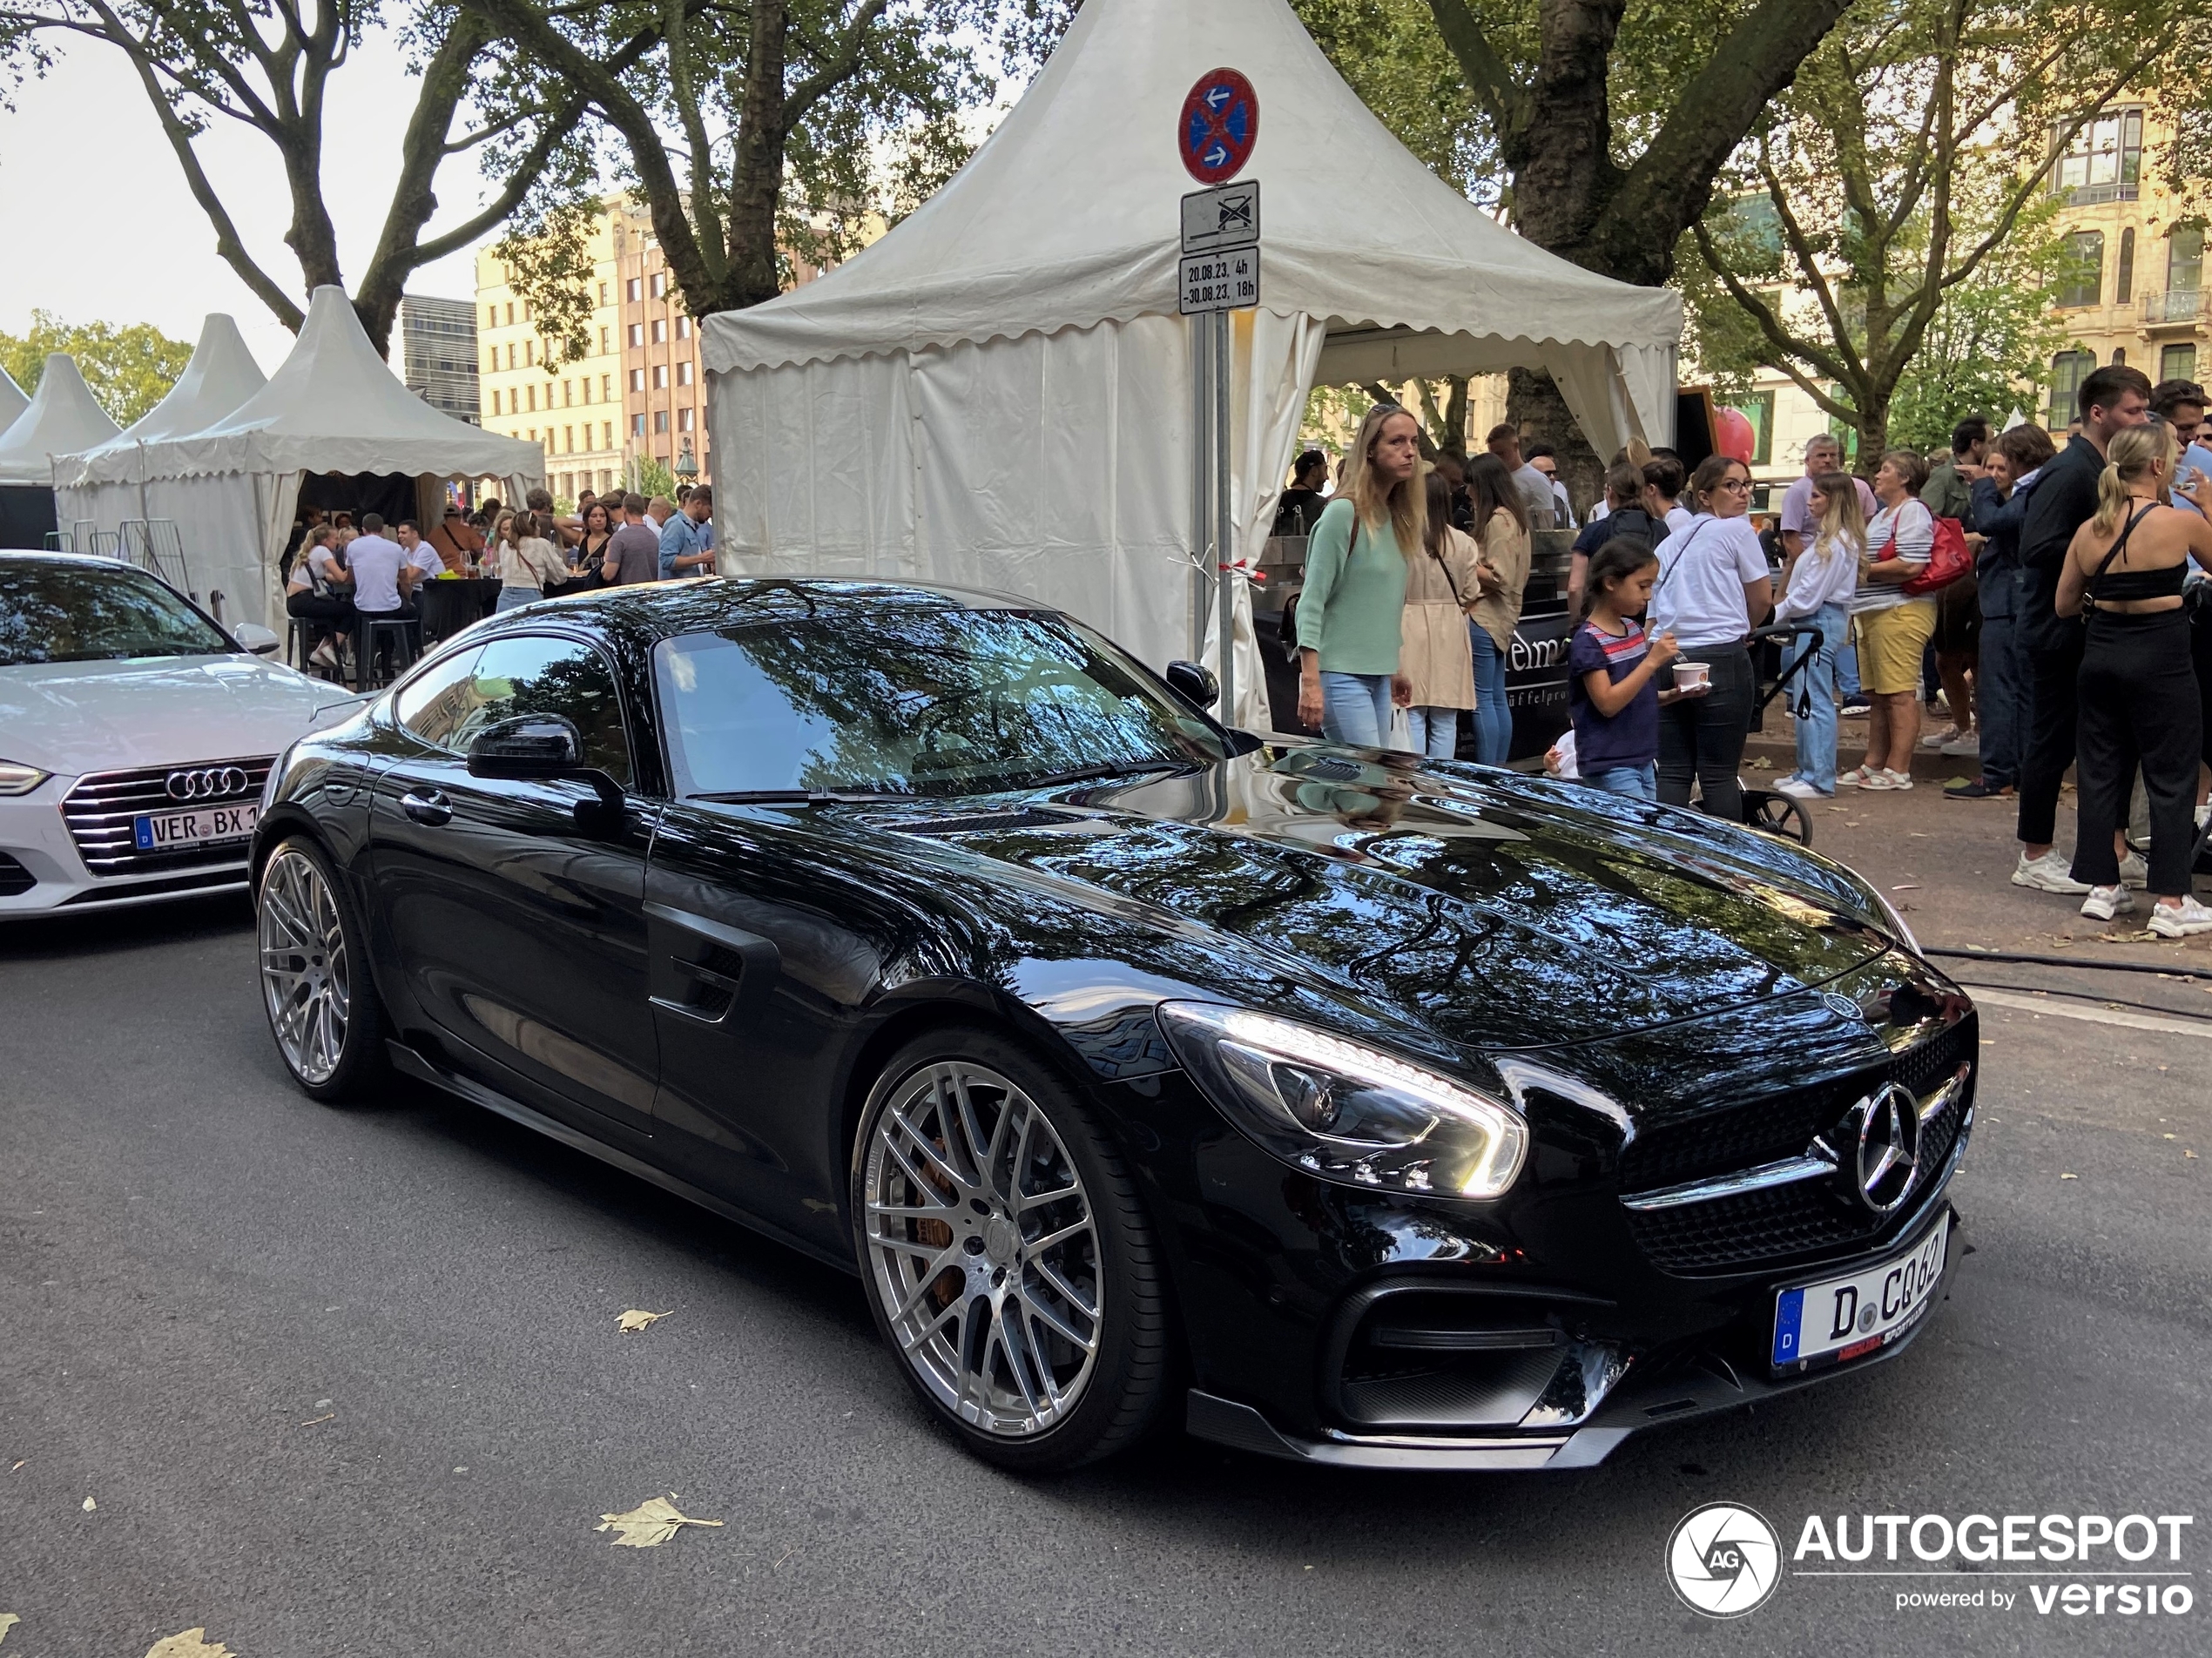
(20, 780)
(1896, 921)
(1345, 1111)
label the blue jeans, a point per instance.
(2001, 698)
(1436, 731)
(1638, 782)
(1817, 681)
(1493, 718)
(1355, 709)
(1847, 671)
(512, 597)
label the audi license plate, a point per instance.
(1841, 1318)
(168, 830)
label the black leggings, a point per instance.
(1703, 737)
(2137, 705)
(334, 613)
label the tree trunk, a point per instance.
(757, 179)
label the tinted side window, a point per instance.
(534, 675)
(432, 703)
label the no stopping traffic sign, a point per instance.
(1219, 126)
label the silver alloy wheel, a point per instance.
(304, 971)
(981, 1249)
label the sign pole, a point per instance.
(1201, 476)
(1225, 526)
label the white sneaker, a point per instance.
(2179, 920)
(2134, 872)
(2049, 873)
(2105, 902)
(1938, 737)
(1967, 747)
(323, 656)
(1797, 789)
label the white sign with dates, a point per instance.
(1225, 281)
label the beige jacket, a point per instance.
(1507, 546)
(536, 563)
(1434, 651)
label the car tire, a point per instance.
(316, 990)
(1008, 1259)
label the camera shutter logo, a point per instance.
(1724, 1560)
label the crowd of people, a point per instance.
(2054, 600)
(341, 573)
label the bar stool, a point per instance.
(397, 632)
(300, 642)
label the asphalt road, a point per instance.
(349, 1382)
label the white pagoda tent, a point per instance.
(13, 400)
(998, 392)
(62, 419)
(233, 487)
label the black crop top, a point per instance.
(2110, 586)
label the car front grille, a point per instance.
(1775, 1224)
(100, 808)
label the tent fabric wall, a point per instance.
(13, 400)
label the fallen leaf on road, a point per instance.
(2069, 1176)
(2188, 1154)
(90, 1504)
(9, 1620)
(1907, 887)
(649, 1524)
(312, 1420)
(636, 1319)
(2170, 1137)
(2125, 938)
(192, 1643)
(1917, 834)
(19, 1467)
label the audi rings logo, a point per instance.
(208, 783)
(1886, 1126)
(1724, 1560)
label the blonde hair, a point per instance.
(2132, 452)
(1842, 516)
(500, 525)
(1404, 503)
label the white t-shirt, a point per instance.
(375, 563)
(1680, 518)
(1913, 526)
(320, 565)
(425, 558)
(1704, 569)
(1823, 576)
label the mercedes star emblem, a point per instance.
(1887, 1127)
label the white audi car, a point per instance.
(135, 735)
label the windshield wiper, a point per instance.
(804, 797)
(1095, 773)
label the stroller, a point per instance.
(1777, 813)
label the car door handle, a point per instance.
(427, 806)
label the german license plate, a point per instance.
(170, 830)
(1838, 1319)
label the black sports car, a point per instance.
(1397, 1113)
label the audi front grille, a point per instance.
(100, 808)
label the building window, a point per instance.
(606, 388)
(495, 399)
(2102, 162)
(660, 420)
(683, 327)
(531, 393)
(636, 334)
(637, 379)
(2123, 274)
(606, 434)
(603, 293)
(2185, 259)
(2120, 356)
(660, 284)
(630, 290)
(533, 435)
(2177, 362)
(567, 392)
(568, 438)
(606, 338)
(685, 418)
(2069, 369)
(2083, 282)
(510, 353)
(638, 425)
(683, 372)
(660, 377)
(491, 316)
(660, 331)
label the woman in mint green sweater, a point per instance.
(1352, 610)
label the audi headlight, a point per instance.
(1345, 1111)
(1896, 921)
(20, 780)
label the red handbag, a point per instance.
(1948, 560)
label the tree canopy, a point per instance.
(128, 369)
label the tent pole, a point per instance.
(1226, 534)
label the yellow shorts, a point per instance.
(1891, 645)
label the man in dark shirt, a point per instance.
(1949, 490)
(2112, 399)
(633, 553)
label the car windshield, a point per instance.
(921, 701)
(61, 612)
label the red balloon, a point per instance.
(1737, 439)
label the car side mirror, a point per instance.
(539, 748)
(1194, 683)
(261, 641)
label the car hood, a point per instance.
(1494, 909)
(71, 717)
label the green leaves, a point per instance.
(129, 368)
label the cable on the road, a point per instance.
(2097, 996)
(2068, 962)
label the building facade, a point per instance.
(437, 353)
(2136, 293)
